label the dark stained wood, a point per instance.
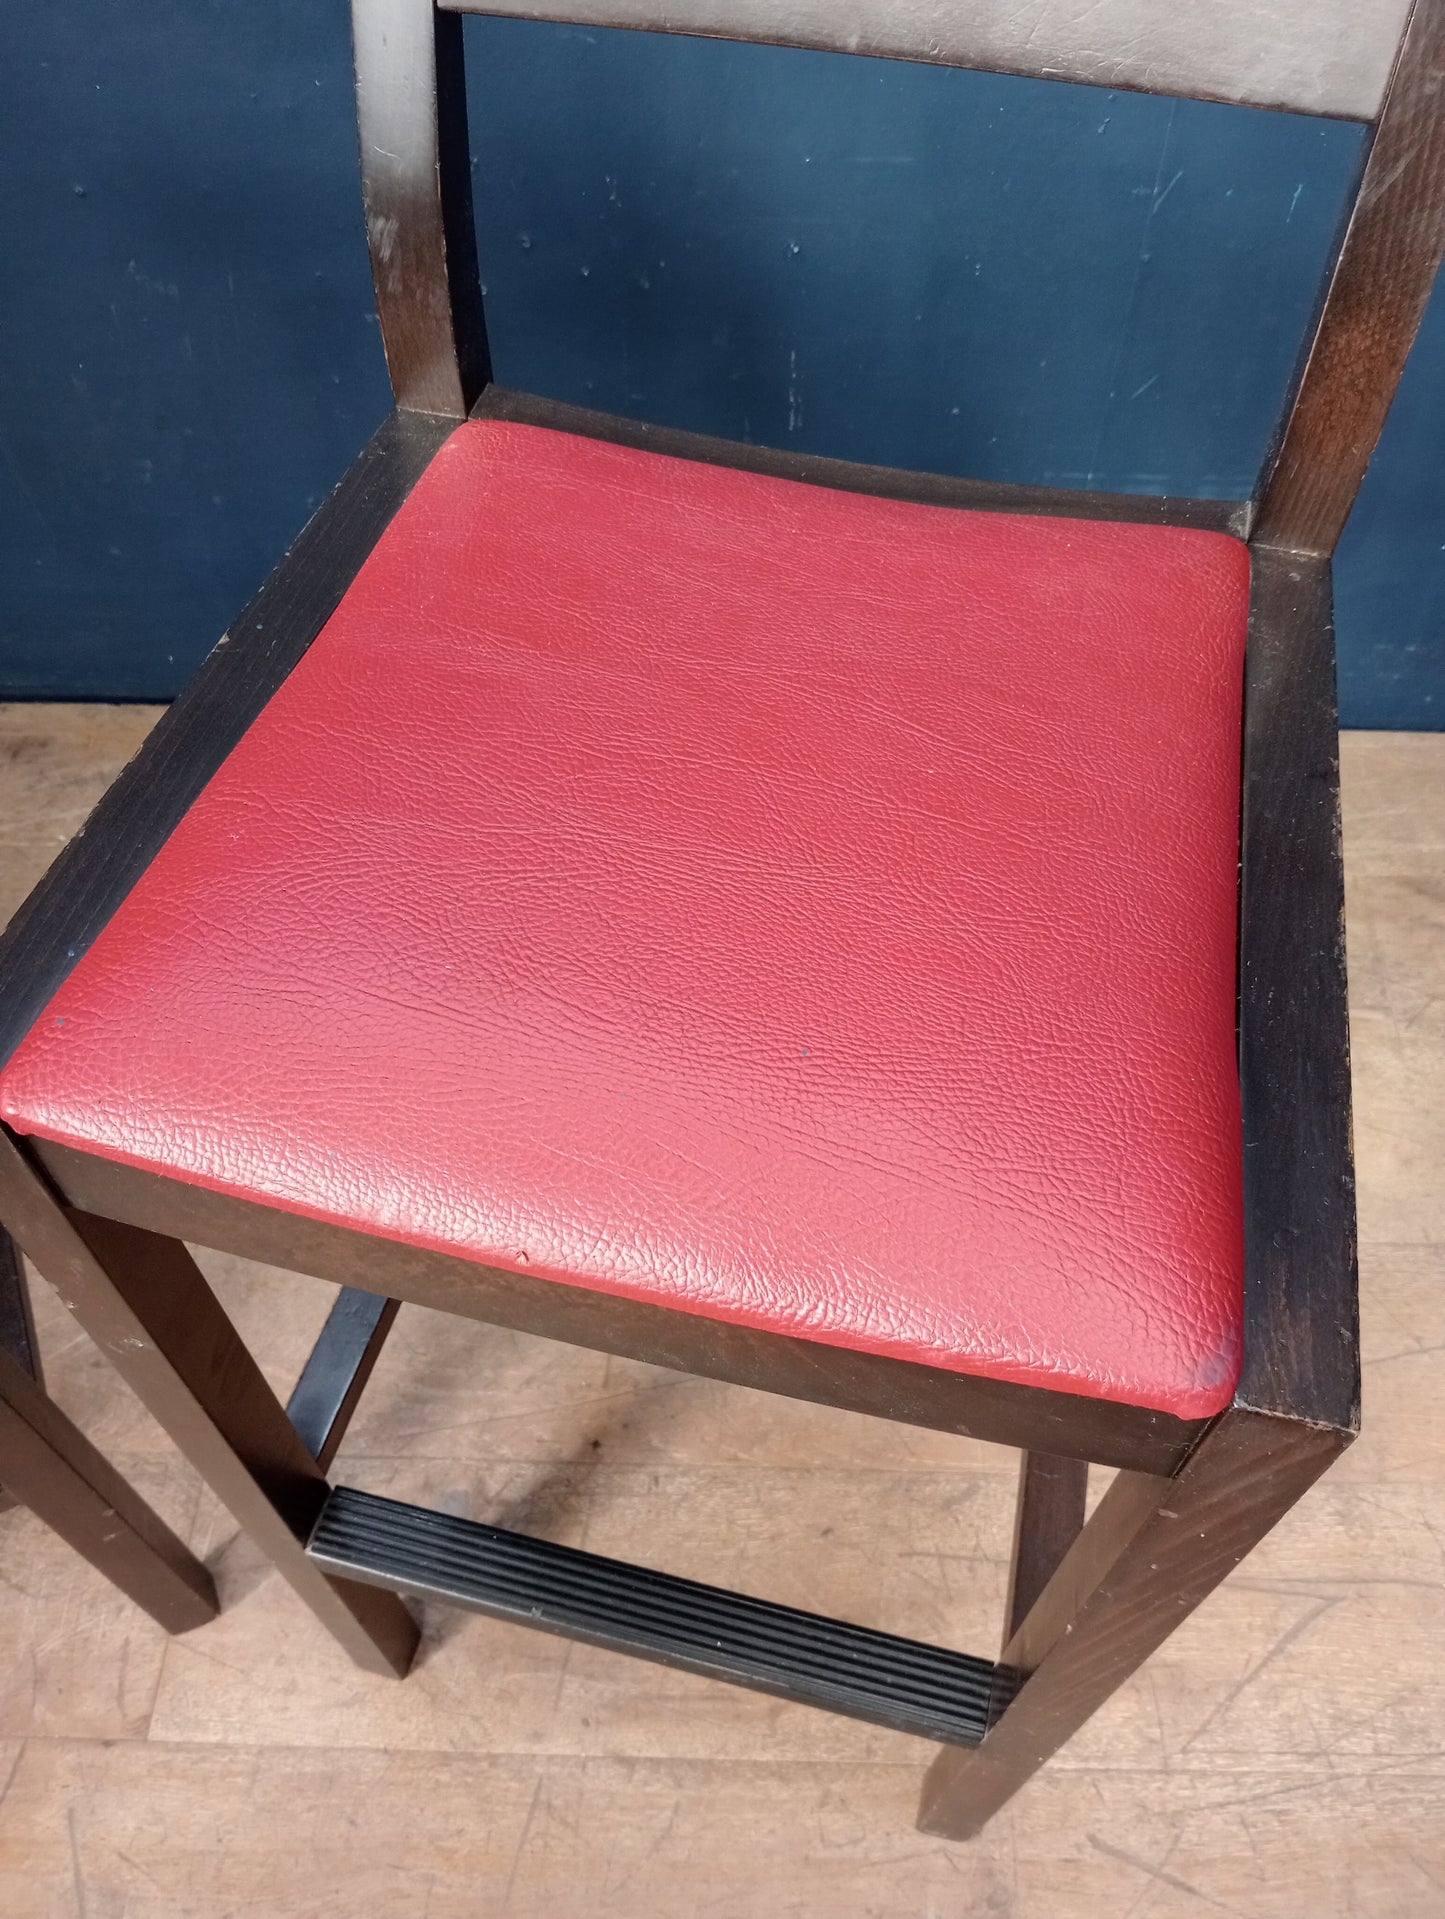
(848, 476)
(459, 225)
(1129, 1503)
(1086, 1605)
(146, 1305)
(51, 1467)
(335, 1375)
(17, 1324)
(1150, 1553)
(1154, 1549)
(1050, 1512)
(1305, 56)
(988, 1409)
(17, 1327)
(416, 184)
(103, 862)
(1301, 1334)
(1377, 295)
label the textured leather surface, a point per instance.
(789, 906)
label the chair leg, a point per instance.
(1152, 1551)
(51, 1467)
(17, 1322)
(17, 1329)
(145, 1303)
(1050, 1513)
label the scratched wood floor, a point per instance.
(1284, 1758)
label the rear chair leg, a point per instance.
(1050, 1512)
(51, 1467)
(17, 1330)
(1152, 1550)
(145, 1303)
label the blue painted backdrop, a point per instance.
(902, 264)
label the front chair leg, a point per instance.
(146, 1304)
(1152, 1550)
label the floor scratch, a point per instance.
(1316, 1610)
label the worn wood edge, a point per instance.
(17, 1322)
(1152, 1551)
(1048, 1518)
(416, 193)
(1377, 292)
(1101, 1431)
(959, 52)
(1269, 465)
(849, 476)
(1301, 1357)
(17, 1326)
(1246, 1465)
(459, 222)
(97, 869)
(142, 1299)
(325, 1397)
(57, 1472)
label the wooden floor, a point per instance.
(1284, 1758)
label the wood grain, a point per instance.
(53, 1470)
(82, 1660)
(145, 1304)
(17, 1321)
(1047, 1520)
(1330, 57)
(170, 1831)
(1301, 1349)
(1281, 1756)
(1375, 301)
(1150, 1553)
(411, 105)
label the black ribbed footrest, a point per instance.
(892, 1682)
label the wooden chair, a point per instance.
(48, 1465)
(765, 916)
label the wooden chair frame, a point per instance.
(49, 1466)
(1088, 1602)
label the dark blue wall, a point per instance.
(891, 263)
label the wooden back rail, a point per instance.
(1327, 57)
(417, 184)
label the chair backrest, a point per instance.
(1308, 56)
(1381, 61)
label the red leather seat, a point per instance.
(786, 905)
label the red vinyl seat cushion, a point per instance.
(781, 904)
